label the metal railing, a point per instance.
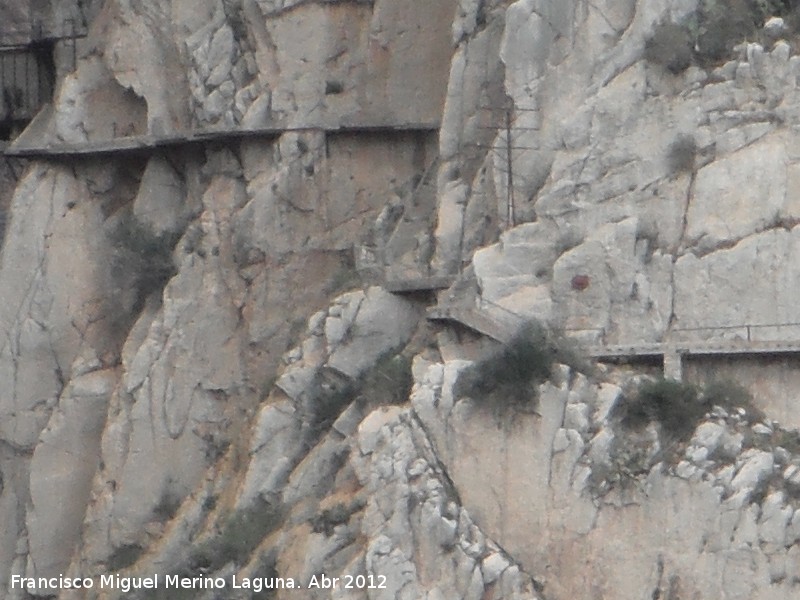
(747, 328)
(21, 37)
(25, 83)
(28, 70)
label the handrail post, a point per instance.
(27, 101)
(74, 46)
(748, 333)
(510, 176)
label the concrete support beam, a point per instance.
(673, 365)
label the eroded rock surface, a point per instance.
(592, 492)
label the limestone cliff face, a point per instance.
(201, 376)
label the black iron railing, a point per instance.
(28, 69)
(747, 328)
(26, 82)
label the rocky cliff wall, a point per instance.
(601, 129)
(200, 379)
(653, 188)
(254, 65)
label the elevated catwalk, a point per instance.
(30, 144)
(670, 352)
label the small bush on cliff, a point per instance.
(731, 396)
(338, 514)
(709, 34)
(509, 373)
(240, 533)
(678, 407)
(331, 394)
(141, 257)
(670, 47)
(718, 26)
(167, 506)
(124, 557)
(675, 405)
(389, 381)
(628, 462)
(508, 376)
(681, 155)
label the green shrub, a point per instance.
(719, 26)
(629, 461)
(678, 407)
(338, 514)
(331, 393)
(508, 376)
(239, 535)
(675, 405)
(731, 396)
(167, 506)
(124, 557)
(709, 34)
(328, 519)
(670, 46)
(389, 381)
(681, 154)
(141, 257)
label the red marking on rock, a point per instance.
(580, 282)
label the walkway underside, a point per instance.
(29, 144)
(670, 352)
(719, 347)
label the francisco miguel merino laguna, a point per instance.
(126, 584)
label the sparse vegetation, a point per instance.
(328, 519)
(338, 514)
(676, 409)
(332, 393)
(629, 460)
(675, 405)
(709, 34)
(718, 26)
(681, 155)
(346, 277)
(787, 439)
(167, 506)
(509, 375)
(239, 535)
(333, 87)
(670, 47)
(731, 396)
(678, 406)
(124, 556)
(142, 258)
(390, 380)
(266, 570)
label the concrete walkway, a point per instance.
(670, 352)
(32, 142)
